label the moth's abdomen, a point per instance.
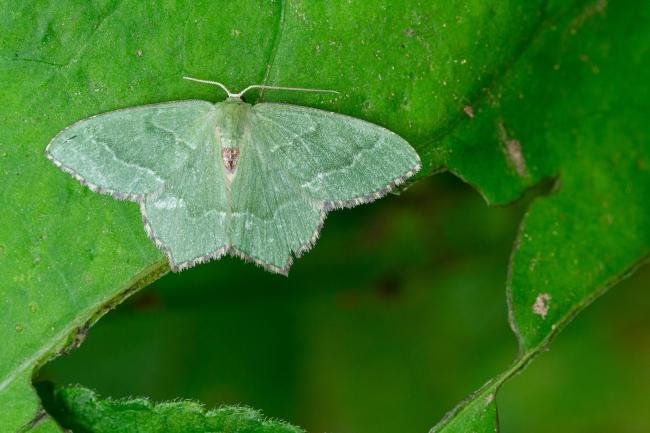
(230, 156)
(231, 126)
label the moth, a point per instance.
(253, 181)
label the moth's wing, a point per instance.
(189, 217)
(130, 152)
(336, 159)
(271, 217)
(164, 157)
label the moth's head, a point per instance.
(234, 97)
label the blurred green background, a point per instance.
(397, 314)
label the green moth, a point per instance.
(254, 181)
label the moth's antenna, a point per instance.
(258, 86)
(230, 94)
(300, 89)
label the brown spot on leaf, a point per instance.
(409, 32)
(596, 8)
(512, 149)
(540, 307)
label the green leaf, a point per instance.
(82, 411)
(585, 124)
(69, 254)
(502, 95)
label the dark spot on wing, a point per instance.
(229, 155)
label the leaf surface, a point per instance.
(81, 410)
(584, 125)
(70, 252)
(503, 94)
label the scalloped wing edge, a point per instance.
(325, 207)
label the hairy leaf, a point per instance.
(82, 411)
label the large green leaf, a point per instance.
(585, 124)
(570, 105)
(68, 252)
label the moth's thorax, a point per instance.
(231, 127)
